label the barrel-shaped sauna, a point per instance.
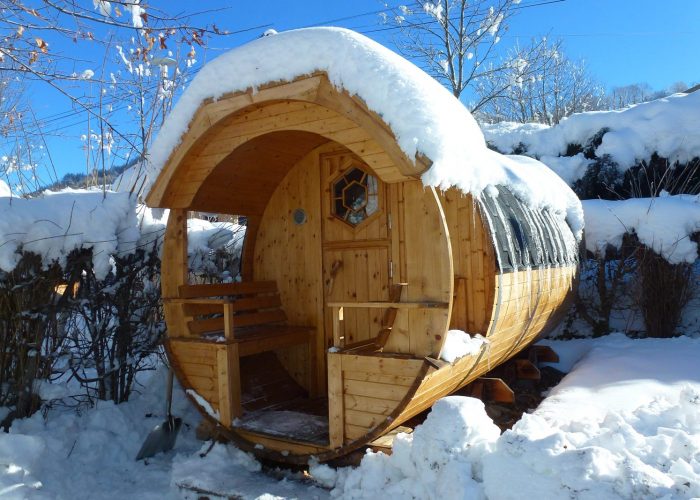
(354, 267)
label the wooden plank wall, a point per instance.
(196, 366)
(372, 389)
(174, 271)
(290, 255)
(426, 266)
(262, 119)
(474, 263)
(529, 300)
(355, 259)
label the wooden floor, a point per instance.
(265, 384)
(300, 420)
(275, 405)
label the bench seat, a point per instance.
(263, 338)
(249, 314)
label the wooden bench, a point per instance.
(249, 314)
(225, 322)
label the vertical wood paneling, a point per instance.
(355, 259)
(336, 410)
(474, 263)
(174, 270)
(429, 270)
(290, 255)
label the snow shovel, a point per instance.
(162, 437)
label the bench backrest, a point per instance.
(255, 303)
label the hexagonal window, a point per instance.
(355, 196)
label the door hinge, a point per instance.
(391, 269)
(388, 221)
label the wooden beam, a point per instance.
(229, 383)
(228, 321)
(336, 410)
(216, 289)
(395, 305)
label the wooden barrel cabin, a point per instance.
(354, 266)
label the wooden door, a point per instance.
(357, 263)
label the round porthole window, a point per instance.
(355, 196)
(299, 216)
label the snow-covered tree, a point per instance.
(144, 51)
(539, 84)
(453, 40)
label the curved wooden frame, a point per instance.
(443, 248)
(213, 117)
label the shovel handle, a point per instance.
(169, 392)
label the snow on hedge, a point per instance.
(424, 116)
(663, 224)
(56, 223)
(667, 126)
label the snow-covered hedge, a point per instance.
(667, 127)
(109, 224)
(57, 223)
(665, 224)
(80, 290)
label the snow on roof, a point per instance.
(663, 224)
(424, 116)
(667, 126)
(5, 189)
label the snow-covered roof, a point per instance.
(423, 116)
(5, 189)
(667, 126)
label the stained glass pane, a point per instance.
(355, 196)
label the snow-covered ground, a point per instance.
(625, 423)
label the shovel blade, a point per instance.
(161, 439)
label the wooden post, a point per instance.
(336, 404)
(229, 381)
(228, 320)
(174, 271)
(338, 337)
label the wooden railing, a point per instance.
(378, 342)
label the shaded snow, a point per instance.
(232, 473)
(663, 224)
(424, 117)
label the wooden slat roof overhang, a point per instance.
(238, 148)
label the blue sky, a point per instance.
(622, 42)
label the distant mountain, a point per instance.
(82, 180)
